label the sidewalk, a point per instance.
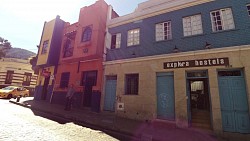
(156, 130)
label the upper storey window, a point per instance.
(86, 35)
(116, 41)
(133, 37)
(163, 31)
(192, 25)
(248, 9)
(45, 47)
(68, 49)
(222, 19)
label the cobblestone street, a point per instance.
(21, 124)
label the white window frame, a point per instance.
(117, 40)
(192, 25)
(248, 9)
(163, 31)
(222, 19)
(133, 37)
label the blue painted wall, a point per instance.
(148, 46)
(56, 42)
(39, 90)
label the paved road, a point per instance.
(22, 124)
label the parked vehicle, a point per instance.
(13, 92)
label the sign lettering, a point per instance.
(197, 63)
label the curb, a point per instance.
(83, 122)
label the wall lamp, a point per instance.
(176, 50)
(208, 46)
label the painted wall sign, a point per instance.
(197, 63)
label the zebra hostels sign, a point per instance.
(197, 63)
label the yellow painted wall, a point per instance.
(40, 79)
(20, 67)
(47, 35)
(144, 105)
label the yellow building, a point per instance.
(17, 72)
(47, 57)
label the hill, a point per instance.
(19, 53)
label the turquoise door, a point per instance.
(110, 93)
(233, 100)
(165, 96)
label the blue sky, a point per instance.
(21, 21)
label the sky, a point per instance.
(21, 21)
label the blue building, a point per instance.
(184, 61)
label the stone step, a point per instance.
(201, 125)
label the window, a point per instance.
(132, 83)
(68, 49)
(27, 79)
(133, 37)
(89, 78)
(192, 25)
(64, 80)
(248, 9)
(222, 19)
(45, 47)
(9, 77)
(86, 35)
(116, 41)
(163, 31)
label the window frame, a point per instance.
(27, 79)
(64, 82)
(116, 41)
(132, 84)
(86, 75)
(134, 37)
(86, 34)
(9, 76)
(45, 47)
(248, 9)
(68, 48)
(215, 26)
(195, 27)
(164, 35)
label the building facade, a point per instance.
(81, 56)
(47, 58)
(17, 72)
(184, 61)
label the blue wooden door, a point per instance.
(165, 96)
(110, 94)
(234, 104)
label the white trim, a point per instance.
(152, 8)
(181, 54)
(248, 10)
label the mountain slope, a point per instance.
(19, 53)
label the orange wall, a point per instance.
(76, 77)
(96, 17)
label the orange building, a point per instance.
(81, 56)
